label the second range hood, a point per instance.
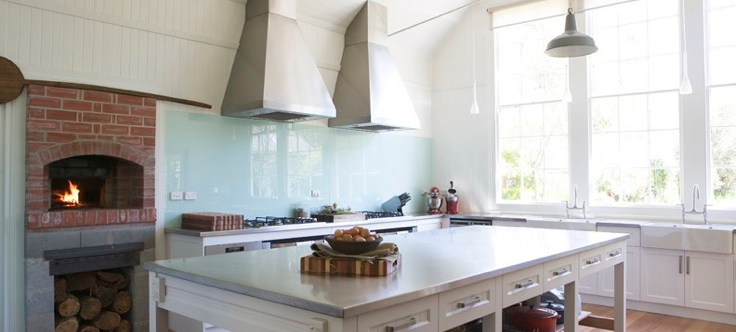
(274, 76)
(369, 94)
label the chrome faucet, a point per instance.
(696, 196)
(575, 204)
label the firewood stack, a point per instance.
(92, 302)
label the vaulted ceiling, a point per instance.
(337, 14)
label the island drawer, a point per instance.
(614, 254)
(464, 304)
(416, 316)
(591, 261)
(522, 285)
(560, 272)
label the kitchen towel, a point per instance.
(385, 251)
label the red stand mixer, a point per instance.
(451, 201)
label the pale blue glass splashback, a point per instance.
(263, 168)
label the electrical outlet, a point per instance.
(190, 195)
(315, 193)
(176, 195)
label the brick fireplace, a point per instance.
(103, 146)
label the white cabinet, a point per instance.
(662, 276)
(605, 278)
(709, 281)
(589, 284)
(687, 278)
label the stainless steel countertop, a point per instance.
(432, 262)
(268, 229)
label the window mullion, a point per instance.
(693, 115)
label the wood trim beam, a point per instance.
(118, 91)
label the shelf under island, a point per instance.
(448, 277)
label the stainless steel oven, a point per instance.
(469, 222)
(235, 247)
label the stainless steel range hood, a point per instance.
(274, 76)
(370, 94)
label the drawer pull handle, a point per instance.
(526, 284)
(469, 303)
(404, 326)
(615, 253)
(561, 272)
(592, 261)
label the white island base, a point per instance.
(449, 277)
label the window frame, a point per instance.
(694, 129)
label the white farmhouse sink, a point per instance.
(561, 223)
(705, 238)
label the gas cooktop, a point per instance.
(259, 222)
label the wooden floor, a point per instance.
(639, 321)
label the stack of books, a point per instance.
(211, 221)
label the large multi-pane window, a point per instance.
(634, 103)
(533, 162)
(722, 99)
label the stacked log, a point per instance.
(92, 302)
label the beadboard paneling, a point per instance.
(180, 48)
(12, 209)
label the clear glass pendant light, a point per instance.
(474, 107)
(685, 87)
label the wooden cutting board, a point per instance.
(339, 217)
(311, 264)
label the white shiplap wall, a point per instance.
(181, 48)
(463, 144)
(12, 217)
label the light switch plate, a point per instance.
(176, 195)
(190, 195)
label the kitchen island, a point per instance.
(448, 277)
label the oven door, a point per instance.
(468, 222)
(235, 247)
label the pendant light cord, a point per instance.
(684, 30)
(473, 47)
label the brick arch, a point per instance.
(104, 148)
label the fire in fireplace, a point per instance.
(95, 182)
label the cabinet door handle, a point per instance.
(688, 265)
(592, 261)
(614, 253)
(561, 272)
(680, 262)
(469, 303)
(526, 284)
(412, 321)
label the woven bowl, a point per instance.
(352, 247)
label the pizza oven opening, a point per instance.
(95, 182)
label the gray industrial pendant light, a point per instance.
(571, 43)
